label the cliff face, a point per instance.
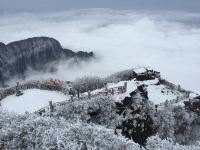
(35, 53)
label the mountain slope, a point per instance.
(135, 104)
(34, 53)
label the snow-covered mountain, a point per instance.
(132, 109)
(34, 53)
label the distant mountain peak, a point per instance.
(16, 57)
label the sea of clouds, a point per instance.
(166, 41)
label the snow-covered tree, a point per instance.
(137, 111)
(156, 143)
(100, 110)
(88, 83)
(56, 133)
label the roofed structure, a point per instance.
(142, 74)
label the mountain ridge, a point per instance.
(16, 57)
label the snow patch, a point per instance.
(32, 100)
(159, 94)
(156, 93)
(140, 70)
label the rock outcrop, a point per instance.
(34, 53)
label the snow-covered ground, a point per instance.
(35, 99)
(131, 86)
(32, 100)
(159, 94)
(156, 93)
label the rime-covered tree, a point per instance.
(137, 112)
(88, 83)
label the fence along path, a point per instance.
(52, 85)
(57, 85)
(106, 92)
(118, 90)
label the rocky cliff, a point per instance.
(34, 53)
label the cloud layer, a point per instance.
(52, 5)
(165, 41)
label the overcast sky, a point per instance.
(56, 5)
(166, 39)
